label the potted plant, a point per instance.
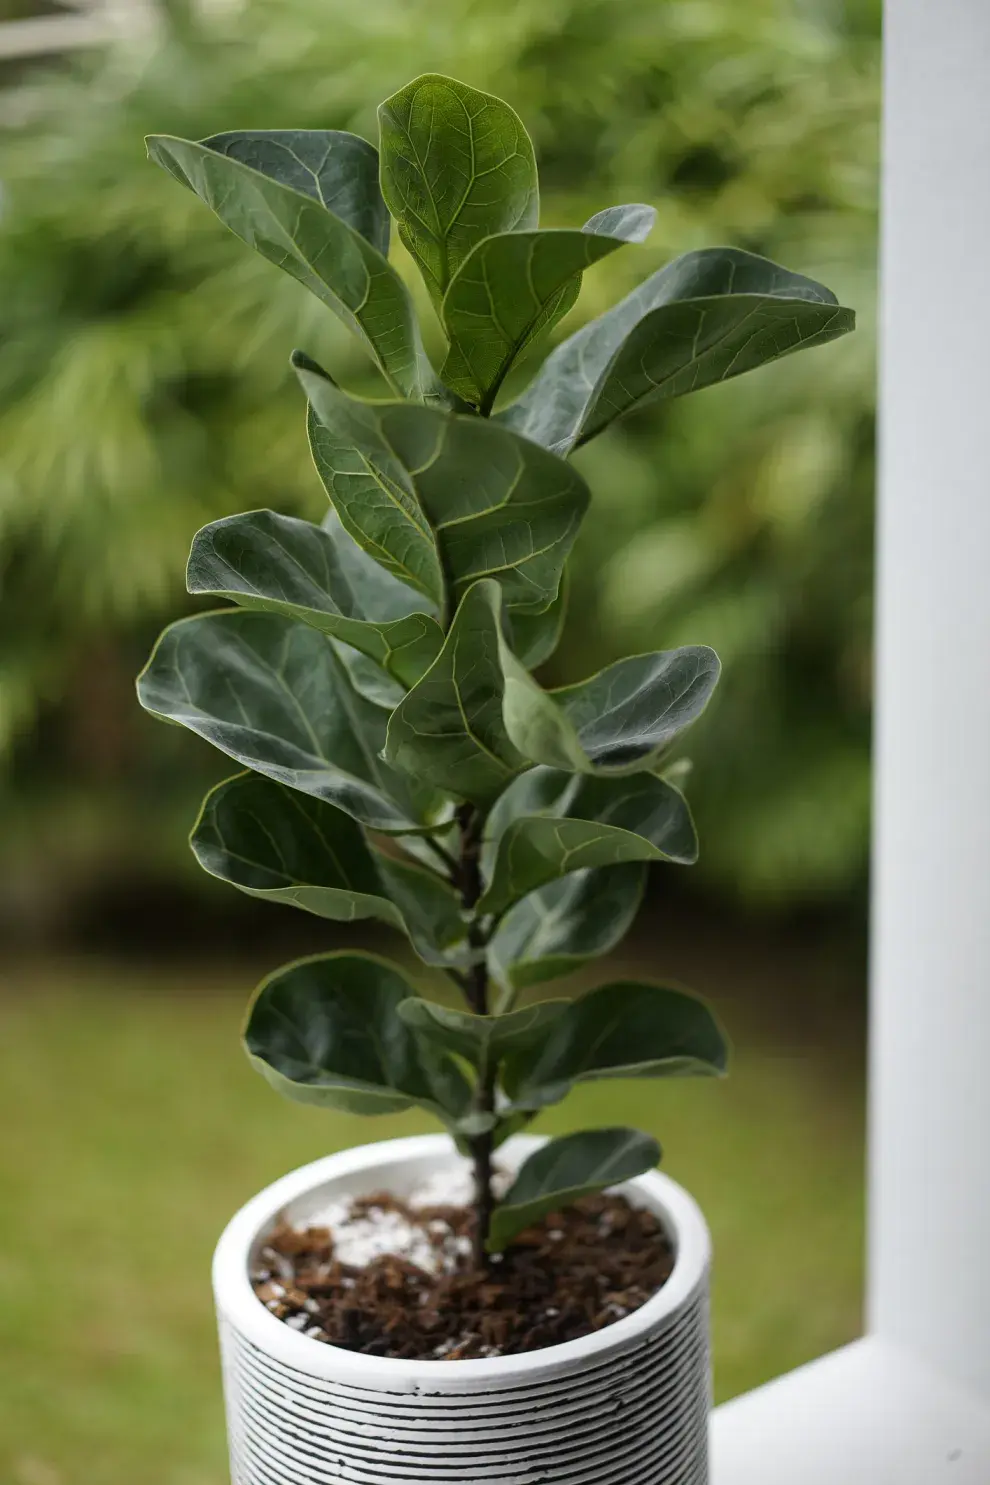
(380, 1320)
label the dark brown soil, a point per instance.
(573, 1273)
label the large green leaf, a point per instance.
(557, 929)
(326, 1031)
(513, 287)
(318, 216)
(481, 1039)
(441, 499)
(319, 575)
(589, 822)
(449, 729)
(274, 695)
(275, 843)
(457, 165)
(707, 316)
(560, 1172)
(625, 1030)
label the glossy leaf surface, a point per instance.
(327, 1031)
(269, 197)
(707, 316)
(556, 929)
(273, 694)
(320, 576)
(275, 843)
(440, 498)
(630, 713)
(456, 166)
(621, 720)
(587, 822)
(515, 286)
(563, 1170)
(624, 1030)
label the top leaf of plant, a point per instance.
(457, 166)
(514, 287)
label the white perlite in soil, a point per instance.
(358, 1239)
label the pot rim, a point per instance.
(238, 1303)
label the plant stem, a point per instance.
(482, 1145)
(448, 861)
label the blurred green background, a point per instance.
(144, 390)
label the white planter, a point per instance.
(626, 1406)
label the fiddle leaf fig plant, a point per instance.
(374, 675)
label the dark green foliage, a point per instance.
(369, 678)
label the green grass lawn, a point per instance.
(133, 1127)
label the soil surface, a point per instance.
(575, 1272)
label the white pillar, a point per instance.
(930, 1076)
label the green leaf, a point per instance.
(707, 316)
(589, 822)
(274, 695)
(277, 844)
(326, 1031)
(449, 729)
(271, 197)
(560, 1172)
(480, 1039)
(554, 931)
(457, 166)
(320, 576)
(629, 714)
(624, 1030)
(441, 499)
(619, 721)
(513, 287)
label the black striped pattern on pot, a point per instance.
(636, 1418)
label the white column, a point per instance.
(930, 1077)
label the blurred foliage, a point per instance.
(144, 388)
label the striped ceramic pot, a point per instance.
(625, 1406)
